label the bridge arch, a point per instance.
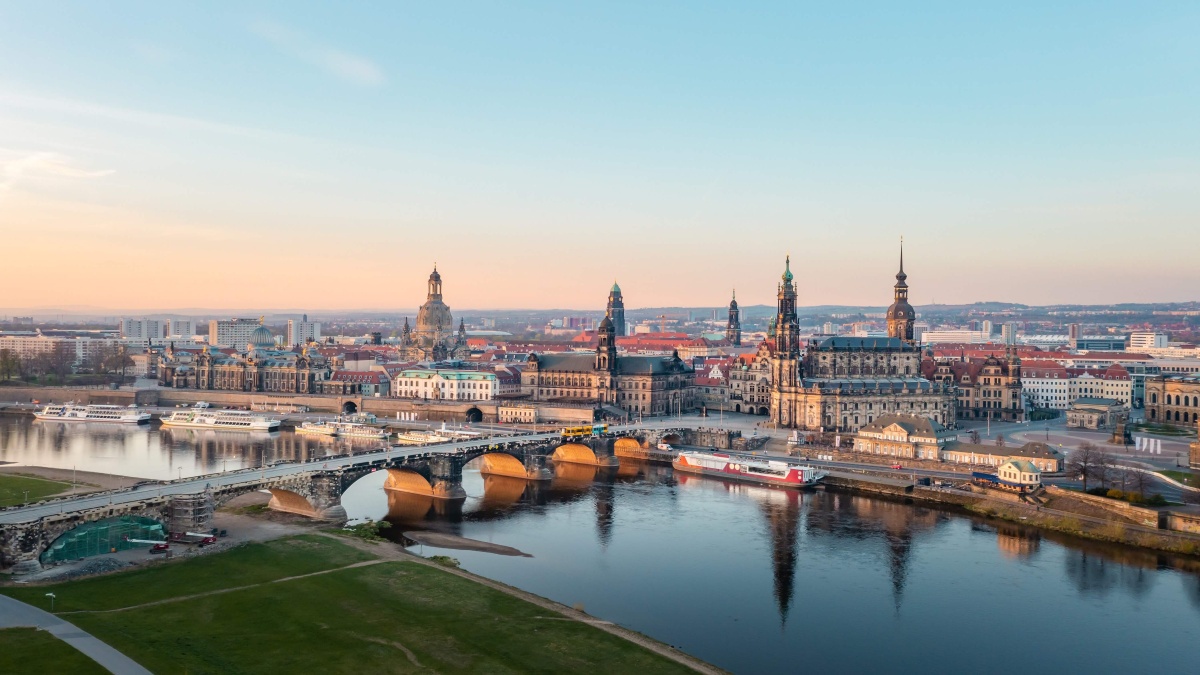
(625, 444)
(574, 453)
(407, 480)
(291, 502)
(500, 464)
(103, 536)
(474, 415)
(672, 439)
(349, 408)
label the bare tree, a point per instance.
(8, 364)
(1082, 462)
(1140, 482)
(60, 361)
(1106, 467)
(999, 440)
(974, 436)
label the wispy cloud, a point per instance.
(15, 166)
(342, 65)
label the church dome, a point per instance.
(261, 339)
(606, 325)
(615, 289)
(901, 310)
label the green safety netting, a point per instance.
(102, 536)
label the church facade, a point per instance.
(636, 385)
(434, 338)
(845, 383)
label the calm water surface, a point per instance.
(752, 579)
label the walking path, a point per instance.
(16, 614)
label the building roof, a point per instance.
(585, 362)
(1023, 465)
(913, 424)
(359, 376)
(875, 344)
(1034, 450)
(1096, 401)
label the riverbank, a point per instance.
(85, 481)
(323, 603)
(1007, 507)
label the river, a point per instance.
(752, 579)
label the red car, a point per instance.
(897, 466)
(160, 548)
(207, 541)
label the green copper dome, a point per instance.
(787, 271)
(615, 288)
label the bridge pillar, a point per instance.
(445, 477)
(326, 496)
(535, 467)
(603, 449)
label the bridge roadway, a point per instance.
(189, 486)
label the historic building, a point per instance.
(750, 381)
(733, 328)
(845, 383)
(260, 368)
(988, 388)
(631, 384)
(1173, 399)
(914, 437)
(616, 309)
(434, 338)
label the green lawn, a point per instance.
(250, 564)
(12, 489)
(29, 650)
(383, 618)
(1182, 477)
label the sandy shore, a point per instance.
(452, 541)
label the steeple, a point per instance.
(901, 316)
(435, 284)
(616, 309)
(733, 328)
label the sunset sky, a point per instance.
(324, 156)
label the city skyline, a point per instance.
(268, 157)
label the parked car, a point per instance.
(160, 548)
(897, 466)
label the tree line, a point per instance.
(56, 363)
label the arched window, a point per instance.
(1154, 398)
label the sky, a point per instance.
(325, 155)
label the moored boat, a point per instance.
(321, 428)
(70, 412)
(220, 419)
(748, 468)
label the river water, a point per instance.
(752, 579)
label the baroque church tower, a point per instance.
(606, 348)
(901, 316)
(733, 329)
(787, 332)
(616, 309)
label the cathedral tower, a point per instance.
(733, 329)
(616, 309)
(606, 348)
(901, 316)
(787, 331)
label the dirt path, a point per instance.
(390, 551)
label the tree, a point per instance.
(999, 440)
(60, 361)
(974, 435)
(1083, 461)
(8, 364)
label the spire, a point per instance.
(787, 270)
(901, 276)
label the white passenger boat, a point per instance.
(220, 419)
(358, 430)
(749, 468)
(69, 412)
(319, 428)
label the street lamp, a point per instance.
(51, 596)
(181, 473)
(26, 496)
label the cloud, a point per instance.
(39, 164)
(342, 65)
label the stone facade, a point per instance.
(844, 383)
(987, 388)
(1095, 413)
(1173, 399)
(434, 338)
(260, 368)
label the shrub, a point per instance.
(444, 560)
(1156, 500)
(1134, 497)
(1098, 491)
(1115, 494)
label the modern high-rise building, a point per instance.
(142, 329)
(303, 331)
(182, 327)
(1008, 333)
(234, 333)
(1141, 340)
(988, 328)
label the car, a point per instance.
(160, 548)
(897, 466)
(207, 541)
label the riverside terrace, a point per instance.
(312, 488)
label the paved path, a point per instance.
(16, 614)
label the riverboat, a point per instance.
(358, 430)
(748, 468)
(320, 428)
(220, 419)
(69, 412)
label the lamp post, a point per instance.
(51, 596)
(181, 473)
(26, 497)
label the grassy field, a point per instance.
(29, 650)
(1182, 477)
(390, 617)
(12, 489)
(250, 564)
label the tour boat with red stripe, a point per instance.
(751, 468)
